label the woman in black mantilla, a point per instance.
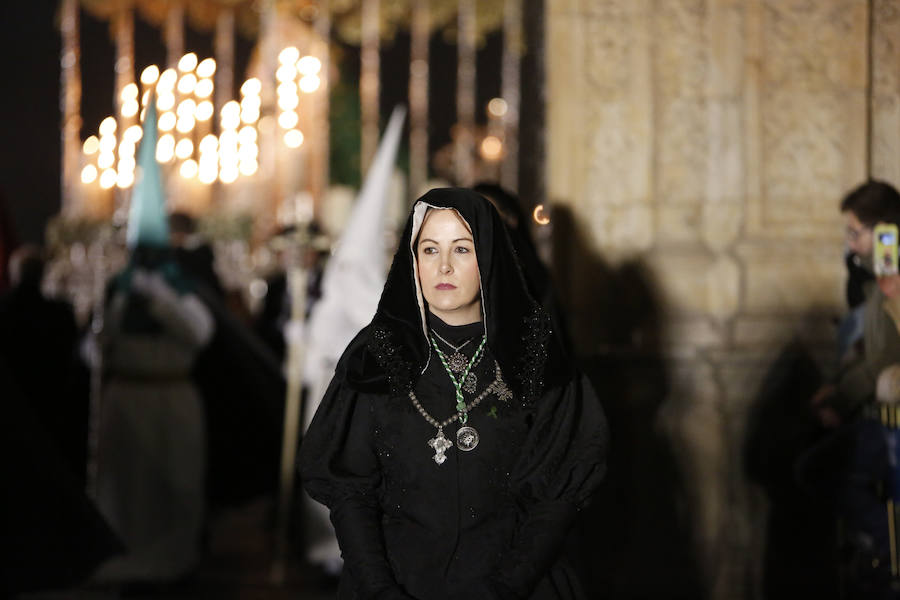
(456, 442)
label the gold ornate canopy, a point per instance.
(356, 22)
(394, 15)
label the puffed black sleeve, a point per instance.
(340, 470)
(562, 463)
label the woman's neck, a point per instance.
(454, 333)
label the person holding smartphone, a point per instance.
(853, 387)
(846, 468)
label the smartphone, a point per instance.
(885, 255)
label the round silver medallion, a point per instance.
(466, 438)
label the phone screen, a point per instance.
(886, 236)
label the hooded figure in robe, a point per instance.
(151, 455)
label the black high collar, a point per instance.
(455, 334)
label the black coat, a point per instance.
(488, 523)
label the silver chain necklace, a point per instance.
(457, 361)
(455, 348)
(439, 443)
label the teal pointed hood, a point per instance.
(148, 223)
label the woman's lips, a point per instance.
(445, 286)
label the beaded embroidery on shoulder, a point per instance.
(530, 370)
(389, 358)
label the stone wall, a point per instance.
(711, 141)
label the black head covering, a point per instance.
(390, 354)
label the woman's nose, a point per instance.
(446, 268)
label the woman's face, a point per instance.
(448, 268)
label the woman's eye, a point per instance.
(429, 250)
(462, 249)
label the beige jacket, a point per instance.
(881, 340)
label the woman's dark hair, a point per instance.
(506, 203)
(873, 202)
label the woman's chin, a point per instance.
(442, 313)
(443, 307)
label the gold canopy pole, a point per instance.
(97, 254)
(70, 102)
(418, 97)
(123, 25)
(510, 90)
(224, 50)
(465, 95)
(223, 80)
(174, 33)
(296, 280)
(368, 82)
(124, 28)
(319, 171)
(270, 187)
(296, 277)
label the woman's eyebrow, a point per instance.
(465, 239)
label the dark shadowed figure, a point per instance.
(635, 539)
(38, 338)
(239, 380)
(53, 535)
(800, 557)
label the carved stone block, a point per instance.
(792, 278)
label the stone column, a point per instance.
(884, 143)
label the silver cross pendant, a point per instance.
(440, 445)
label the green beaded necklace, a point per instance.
(458, 383)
